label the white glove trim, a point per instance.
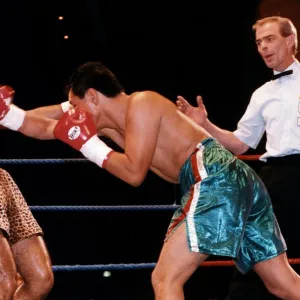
(96, 150)
(14, 118)
(66, 106)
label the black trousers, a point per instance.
(281, 177)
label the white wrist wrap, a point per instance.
(14, 118)
(95, 150)
(65, 106)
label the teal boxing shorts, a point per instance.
(226, 208)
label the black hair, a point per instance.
(94, 75)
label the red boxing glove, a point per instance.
(6, 92)
(6, 96)
(11, 116)
(77, 129)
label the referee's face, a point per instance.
(275, 49)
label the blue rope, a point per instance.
(103, 208)
(26, 161)
(104, 267)
(36, 161)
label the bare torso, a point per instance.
(177, 135)
(178, 138)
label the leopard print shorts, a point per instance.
(16, 218)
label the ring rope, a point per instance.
(132, 266)
(35, 161)
(249, 157)
(222, 263)
(102, 207)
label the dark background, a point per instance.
(185, 48)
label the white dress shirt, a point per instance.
(274, 108)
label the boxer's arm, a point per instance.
(52, 111)
(114, 135)
(15, 118)
(77, 129)
(38, 127)
(142, 129)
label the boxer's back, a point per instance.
(177, 135)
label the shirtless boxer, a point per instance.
(225, 208)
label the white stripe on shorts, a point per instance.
(190, 215)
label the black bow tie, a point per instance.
(276, 76)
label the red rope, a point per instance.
(249, 157)
(229, 263)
